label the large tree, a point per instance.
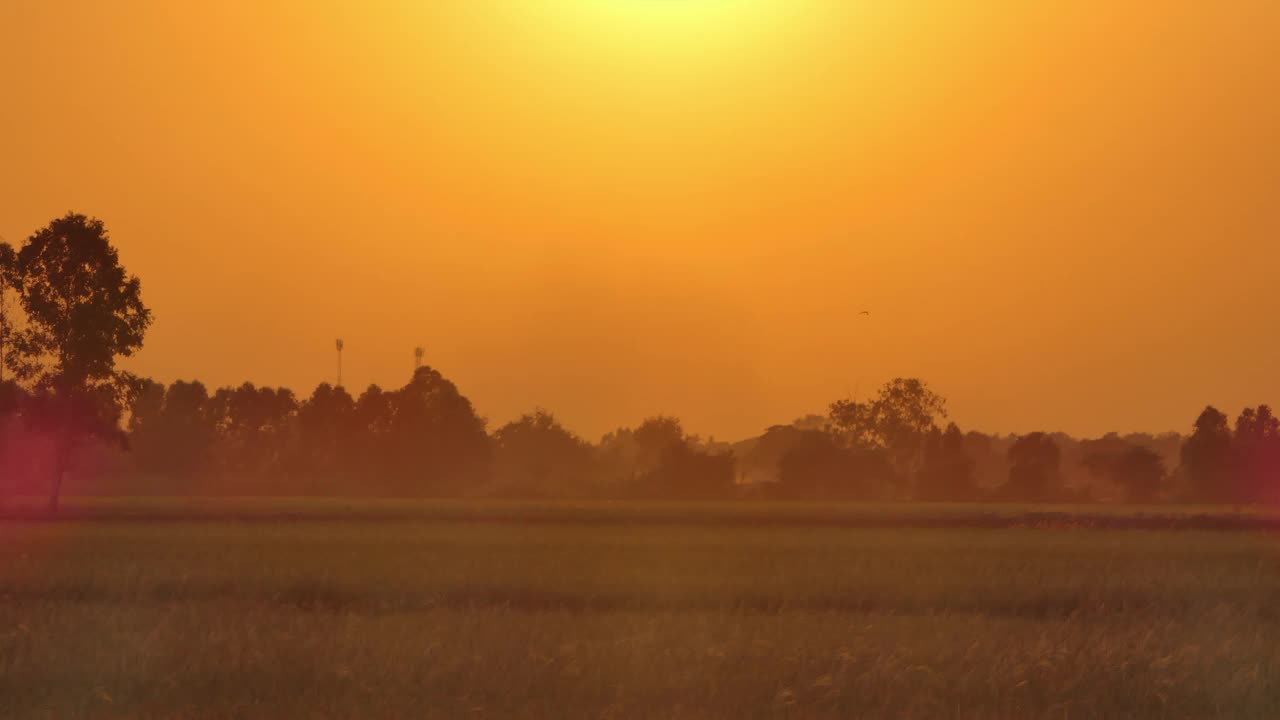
(437, 442)
(898, 420)
(81, 311)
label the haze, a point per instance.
(1063, 216)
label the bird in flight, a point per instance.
(865, 312)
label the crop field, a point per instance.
(497, 610)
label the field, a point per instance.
(339, 610)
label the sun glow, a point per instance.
(692, 195)
(659, 26)
(674, 14)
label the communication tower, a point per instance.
(339, 345)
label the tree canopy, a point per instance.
(81, 310)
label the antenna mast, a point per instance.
(418, 354)
(339, 346)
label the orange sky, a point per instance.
(1062, 215)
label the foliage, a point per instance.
(1034, 469)
(1256, 455)
(1206, 457)
(172, 429)
(820, 466)
(535, 455)
(434, 437)
(326, 429)
(658, 460)
(947, 473)
(1136, 469)
(897, 421)
(81, 311)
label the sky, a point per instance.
(1062, 215)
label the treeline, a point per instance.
(425, 439)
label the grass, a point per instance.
(432, 617)
(604, 512)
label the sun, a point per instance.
(670, 31)
(674, 15)
(664, 19)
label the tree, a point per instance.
(82, 311)
(8, 285)
(654, 438)
(326, 433)
(903, 413)
(1034, 469)
(657, 459)
(685, 472)
(1140, 471)
(12, 400)
(760, 459)
(436, 440)
(252, 426)
(171, 429)
(1256, 454)
(990, 459)
(947, 472)
(1207, 458)
(373, 418)
(820, 466)
(536, 455)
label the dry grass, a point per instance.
(429, 619)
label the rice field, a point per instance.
(170, 611)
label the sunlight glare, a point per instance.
(661, 21)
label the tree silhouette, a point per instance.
(373, 417)
(1256, 454)
(12, 400)
(760, 459)
(947, 471)
(1138, 470)
(1034, 469)
(820, 465)
(8, 284)
(685, 472)
(327, 434)
(536, 456)
(171, 429)
(82, 311)
(437, 441)
(900, 417)
(253, 425)
(654, 438)
(1207, 458)
(658, 460)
